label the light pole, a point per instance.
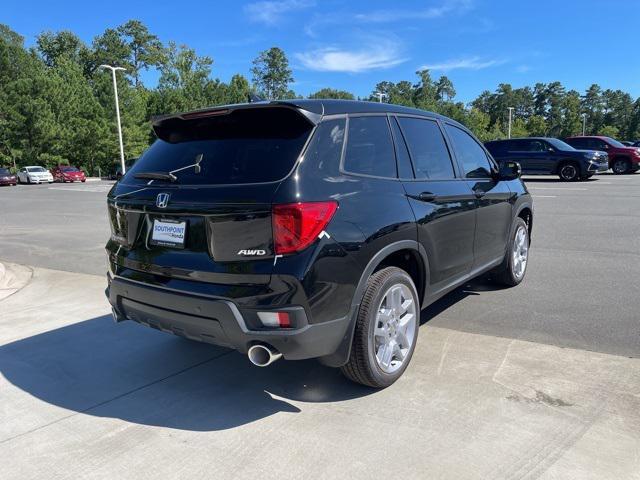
(115, 93)
(380, 95)
(510, 112)
(584, 123)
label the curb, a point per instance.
(13, 277)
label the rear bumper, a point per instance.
(219, 321)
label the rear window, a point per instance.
(245, 146)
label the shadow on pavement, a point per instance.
(147, 377)
(474, 287)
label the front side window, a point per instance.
(427, 148)
(471, 155)
(369, 147)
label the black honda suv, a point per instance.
(310, 229)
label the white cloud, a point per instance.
(270, 12)
(469, 63)
(332, 59)
(448, 6)
(523, 68)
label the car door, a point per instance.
(517, 150)
(443, 203)
(533, 155)
(493, 197)
(22, 176)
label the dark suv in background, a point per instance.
(549, 156)
(622, 159)
(310, 229)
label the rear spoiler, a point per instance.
(162, 123)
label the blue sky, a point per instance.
(354, 44)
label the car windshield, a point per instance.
(560, 145)
(69, 169)
(35, 169)
(614, 142)
(4, 171)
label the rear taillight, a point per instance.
(296, 225)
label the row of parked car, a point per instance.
(574, 158)
(38, 174)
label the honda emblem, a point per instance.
(162, 200)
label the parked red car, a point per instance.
(622, 159)
(7, 178)
(68, 173)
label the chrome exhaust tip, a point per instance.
(263, 355)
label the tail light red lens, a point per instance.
(296, 225)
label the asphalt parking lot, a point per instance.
(540, 381)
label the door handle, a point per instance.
(479, 193)
(424, 196)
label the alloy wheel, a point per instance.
(568, 172)
(395, 328)
(619, 166)
(520, 252)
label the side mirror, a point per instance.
(509, 171)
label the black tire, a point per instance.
(620, 166)
(569, 171)
(504, 274)
(362, 366)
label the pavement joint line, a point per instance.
(544, 196)
(117, 397)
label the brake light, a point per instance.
(296, 225)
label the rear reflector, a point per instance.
(296, 225)
(275, 319)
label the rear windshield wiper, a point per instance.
(157, 176)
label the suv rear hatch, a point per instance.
(197, 205)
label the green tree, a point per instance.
(271, 73)
(425, 95)
(445, 89)
(332, 93)
(609, 131)
(145, 49)
(55, 46)
(184, 80)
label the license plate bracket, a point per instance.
(168, 233)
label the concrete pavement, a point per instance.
(81, 397)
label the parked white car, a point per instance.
(34, 174)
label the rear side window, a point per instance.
(369, 147)
(529, 146)
(470, 154)
(428, 150)
(578, 142)
(245, 146)
(498, 148)
(324, 149)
